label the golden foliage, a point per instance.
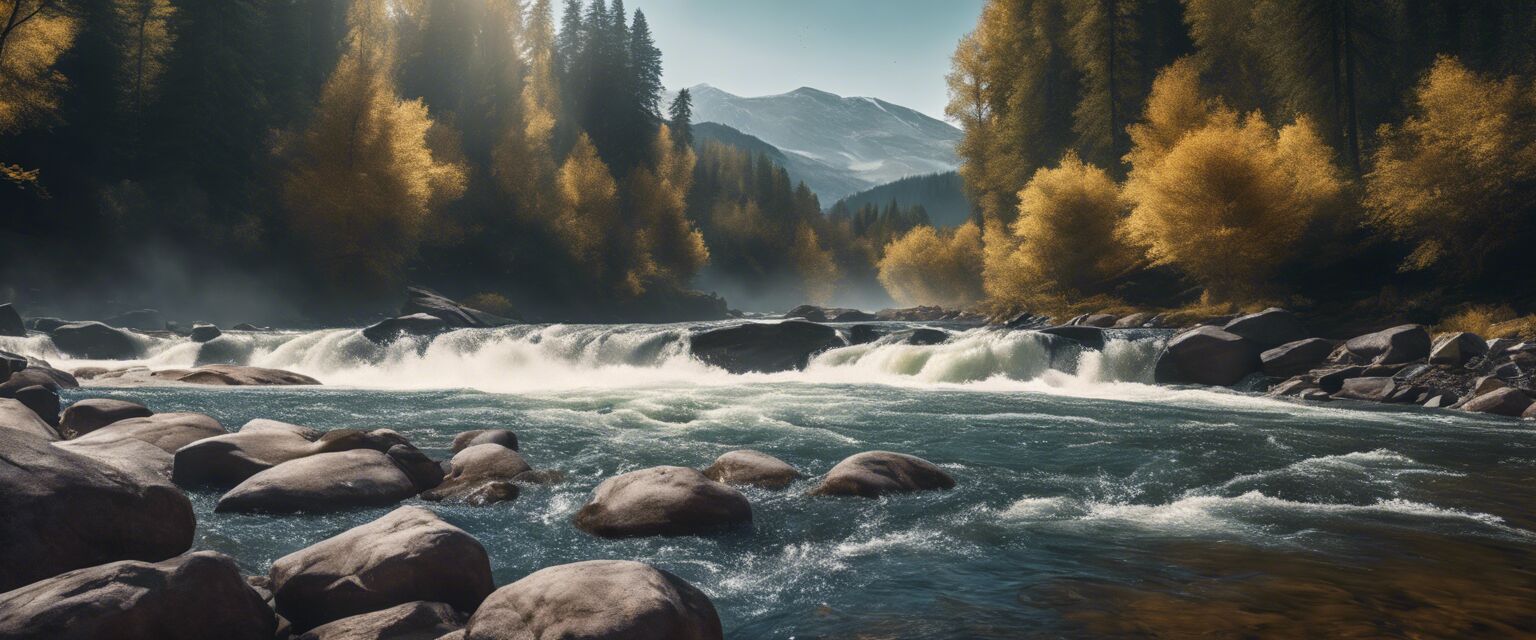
(1490, 321)
(817, 269)
(1227, 202)
(365, 180)
(523, 160)
(589, 207)
(147, 40)
(667, 246)
(491, 303)
(1458, 176)
(29, 85)
(929, 267)
(1065, 235)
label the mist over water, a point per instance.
(1088, 501)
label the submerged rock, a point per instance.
(190, 597)
(1089, 337)
(320, 483)
(203, 332)
(410, 621)
(409, 555)
(662, 501)
(85, 416)
(597, 600)
(764, 347)
(752, 468)
(875, 473)
(64, 511)
(1208, 356)
(96, 341)
(417, 324)
(480, 475)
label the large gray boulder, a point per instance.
(408, 555)
(1456, 348)
(665, 501)
(90, 414)
(37, 375)
(416, 324)
(1295, 358)
(16, 416)
(189, 597)
(875, 473)
(203, 332)
(42, 401)
(65, 511)
(410, 621)
(96, 341)
(10, 322)
(479, 475)
(1208, 356)
(1269, 328)
(469, 439)
(761, 347)
(321, 483)
(129, 455)
(167, 431)
(1398, 345)
(227, 460)
(597, 600)
(751, 468)
(1504, 401)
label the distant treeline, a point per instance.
(1239, 152)
(941, 195)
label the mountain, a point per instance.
(942, 194)
(819, 177)
(841, 145)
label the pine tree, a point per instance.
(680, 118)
(645, 59)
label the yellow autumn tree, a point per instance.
(1065, 240)
(1457, 179)
(365, 180)
(523, 161)
(35, 33)
(931, 267)
(815, 265)
(588, 215)
(147, 40)
(667, 245)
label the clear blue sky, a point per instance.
(897, 50)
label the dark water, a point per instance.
(1084, 507)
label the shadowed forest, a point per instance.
(288, 160)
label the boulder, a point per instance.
(1294, 358)
(875, 473)
(129, 455)
(663, 501)
(189, 597)
(409, 621)
(96, 341)
(167, 431)
(1332, 379)
(11, 363)
(864, 333)
(752, 468)
(17, 416)
(227, 460)
(321, 483)
(417, 324)
(37, 375)
(1400, 344)
(1089, 337)
(469, 439)
(1207, 355)
(1455, 349)
(1100, 320)
(1504, 401)
(473, 471)
(424, 472)
(42, 401)
(1269, 328)
(243, 376)
(45, 324)
(203, 332)
(763, 347)
(85, 416)
(10, 322)
(814, 313)
(1486, 384)
(424, 300)
(140, 319)
(64, 511)
(1134, 321)
(1294, 386)
(923, 336)
(1373, 389)
(597, 600)
(246, 326)
(406, 556)
(225, 350)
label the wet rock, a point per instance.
(410, 621)
(597, 600)
(418, 324)
(167, 431)
(190, 597)
(1100, 320)
(85, 416)
(1089, 337)
(1269, 328)
(1400, 344)
(409, 555)
(40, 375)
(246, 326)
(875, 473)
(42, 401)
(924, 336)
(814, 313)
(666, 501)
(1134, 321)
(468, 439)
(228, 460)
(10, 322)
(108, 515)
(18, 417)
(419, 300)
(128, 455)
(1209, 356)
(244, 376)
(1372, 389)
(1332, 379)
(1455, 349)
(864, 334)
(424, 472)
(1439, 399)
(1504, 401)
(752, 468)
(1027, 320)
(45, 324)
(1294, 358)
(474, 468)
(11, 363)
(1294, 387)
(321, 483)
(140, 319)
(203, 332)
(96, 341)
(763, 347)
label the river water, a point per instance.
(1088, 501)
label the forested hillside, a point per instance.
(941, 195)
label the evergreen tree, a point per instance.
(680, 117)
(645, 60)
